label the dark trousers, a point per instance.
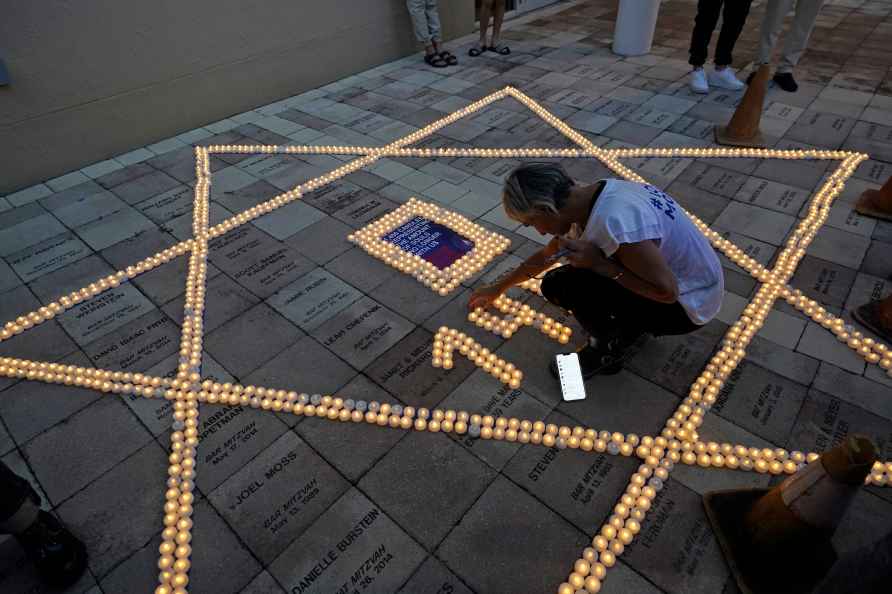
(608, 311)
(13, 492)
(733, 17)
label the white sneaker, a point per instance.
(698, 81)
(725, 79)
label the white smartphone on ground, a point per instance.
(570, 376)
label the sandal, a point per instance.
(435, 60)
(450, 59)
(477, 51)
(503, 50)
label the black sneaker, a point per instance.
(59, 557)
(786, 81)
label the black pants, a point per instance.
(13, 492)
(733, 18)
(608, 311)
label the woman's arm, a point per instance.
(639, 267)
(530, 267)
(645, 271)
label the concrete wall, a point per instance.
(95, 78)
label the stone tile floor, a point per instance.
(296, 505)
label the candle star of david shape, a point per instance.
(678, 442)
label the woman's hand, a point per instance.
(483, 297)
(584, 254)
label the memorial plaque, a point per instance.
(229, 438)
(718, 181)
(823, 281)
(535, 559)
(362, 332)
(759, 251)
(314, 298)
(47, 256)
(676, 548)
(434, 578)
(155, 413)
(659, 171)
(772, 195)
(110, 310)
(329, 438)
(648, 116)
(760, 401)
(256, 261)
(484, 395)
(278, 495)
(406, 371)
(224, 300)
(692, 127)
(136, 346)
(352, 548)
(168, 205)
(364, 210)
(855, 389)
(335, 196)
(582, 486)
(498, 170)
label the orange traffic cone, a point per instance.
(778, 540)
(743, 129)
(876, 203)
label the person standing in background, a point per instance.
(496, 9)
(734, 13)
(426, 22)
(797, 37)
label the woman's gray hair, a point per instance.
(536, 186)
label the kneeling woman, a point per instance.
(637, 263)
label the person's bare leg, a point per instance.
(486, 7)
(498, 15)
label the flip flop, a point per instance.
(435, 60)
(450, 59)
(477, 51)
(868, 316)
(503, 50)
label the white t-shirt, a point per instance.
(629, 212)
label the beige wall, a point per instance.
(95, 78)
